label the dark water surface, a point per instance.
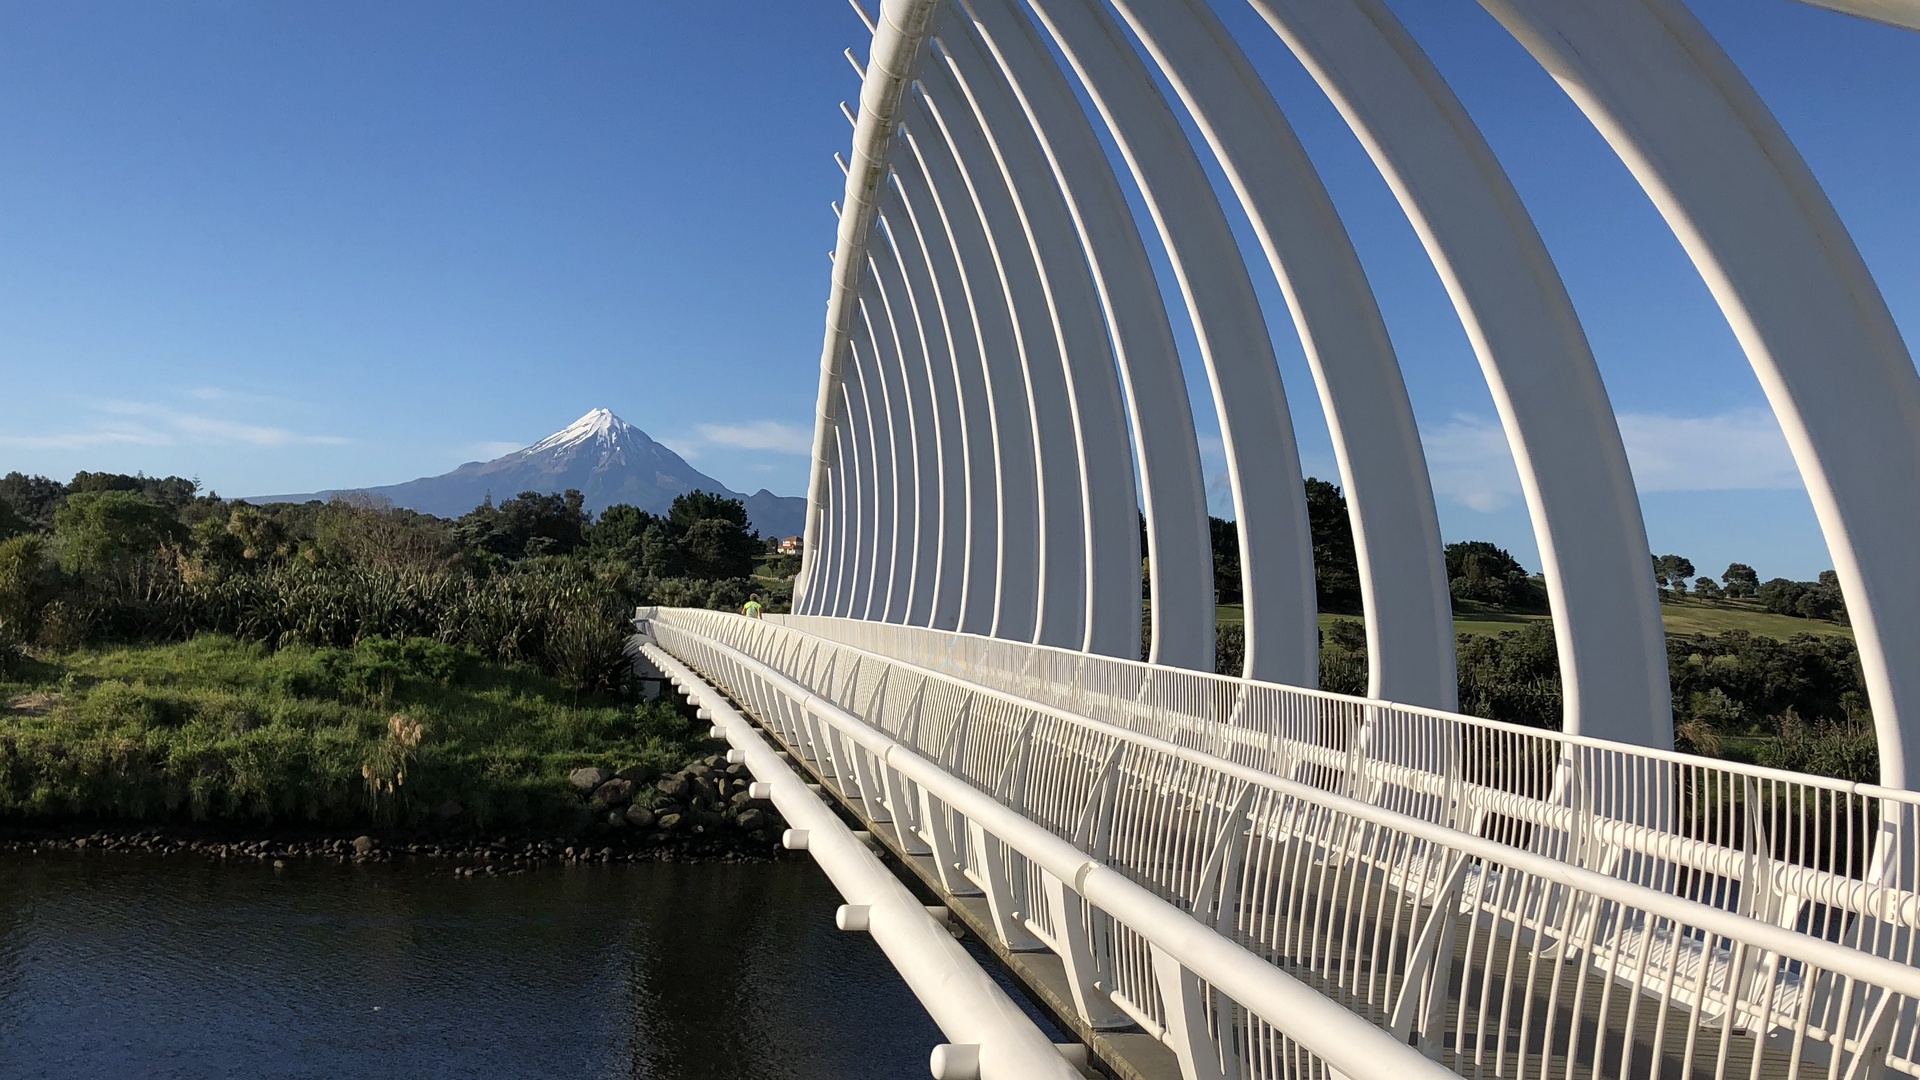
(120, 965)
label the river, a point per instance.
(125, 965)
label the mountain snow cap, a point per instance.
(599, 425)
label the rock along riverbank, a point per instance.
(701, 813)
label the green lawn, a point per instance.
(1680, 617)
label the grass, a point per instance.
(383, 733)
(1688, 616)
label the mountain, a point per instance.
(609, 460)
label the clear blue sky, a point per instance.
(283, 247)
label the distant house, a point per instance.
(789, 545)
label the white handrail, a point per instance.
(967, 1005)
(1313, 853)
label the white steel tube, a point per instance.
(1263, 462)
(938, 333)
(1107, 551)
(1056, 612)
(1007, 420)
(895, 357)
(923, 540)
(964, 1001)
(1396, 528)
(1537, 362)
(1172, 489)
(1806, 310)
(974, 429)
(900, 35)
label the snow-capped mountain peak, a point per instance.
(599, 426)
(602, 456)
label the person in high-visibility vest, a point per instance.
(752, 610)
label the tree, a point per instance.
(99, 531)
(11, 522)
(620, 533)
(24, 586)
(1225, 539)
(369, 531)
(1336, 566)
(528, 525)
(1671, 572)
(1483, 573)
(719, 548)
(662, 554)
(1741, 581)
(1707, 589)
(703, 505)
(1807, 599)
(33, 497)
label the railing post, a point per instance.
(935, 819)
(1073, 924)
(1183, 1001)
(990, 862)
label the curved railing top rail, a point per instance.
(878, 636)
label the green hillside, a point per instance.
(1680, 617)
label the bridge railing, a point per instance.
(1494, 957)
(1804, 852)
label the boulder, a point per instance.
(639, 817)
(616, 819)
(739, 800)
(636, 775)
(363, 845)
(673, 786)
(586, 780)
(751, 819)
(670, 822)
(615, 792)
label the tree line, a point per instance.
(535, 579)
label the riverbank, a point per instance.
(422, 747)
(502, 855)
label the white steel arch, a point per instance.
(1016, 292)
(1172, 490)
(949, 482)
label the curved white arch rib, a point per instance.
(931, 301)
(924, 538)
(870, 426)
(827, 597)
(1552, 404)
(1003, 419)
(1396, 528)
(1276, 553)
(1172, 489)
(900, 35)
(903, 448)
(1106, 553)
(1059, 616)
(1787, 275)
(975, 430)
(985, 258)
(854, 567)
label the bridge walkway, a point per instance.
(1182, 898)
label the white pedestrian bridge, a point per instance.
(1048, 203)
(1206, 876)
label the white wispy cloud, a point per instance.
(1738, 450)
(155, 424)
(487, 451)
(781, 438)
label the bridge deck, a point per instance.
(1494, 960)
